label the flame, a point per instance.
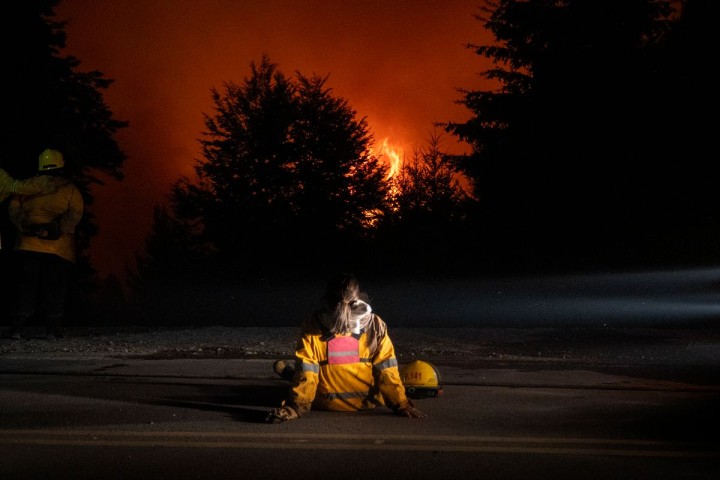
(392, 155)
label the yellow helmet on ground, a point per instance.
(50, 160)
(421, 380)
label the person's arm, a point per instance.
(304, 384)
(32, 186)
(16, 214)
(6, 184)
(390, 384)
(39, 185)
(72, 216)
(307, 371)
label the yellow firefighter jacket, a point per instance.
(31, 186)
(64, 206)
(339, 372)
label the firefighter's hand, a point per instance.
(411, 411)
(282, 414)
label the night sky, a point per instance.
(398, 63)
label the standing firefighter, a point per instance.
(345, 360)
(45, 247)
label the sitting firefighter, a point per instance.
(344, 360)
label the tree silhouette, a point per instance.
(172, 253)
(427, 232)
(679, 136)
(287, 179)
(567, 154)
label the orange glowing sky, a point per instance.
(397, 62)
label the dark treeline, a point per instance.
(589, 152)
(289, 186)
(594, 150)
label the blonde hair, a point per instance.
(348, 309)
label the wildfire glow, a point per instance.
(392, 155)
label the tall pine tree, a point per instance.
(287, 179)
(564, 151)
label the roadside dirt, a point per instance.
(445, 345)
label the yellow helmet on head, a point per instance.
(50, 160)
(421, 380)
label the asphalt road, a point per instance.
(603, 376)
(112, 418)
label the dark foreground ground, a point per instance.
(549, 403)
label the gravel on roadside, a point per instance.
(601, 345)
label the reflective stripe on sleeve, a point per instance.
(390, 362)
(310, 367)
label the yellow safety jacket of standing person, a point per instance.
(339, 372)
(64, 205)
(31, 186)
